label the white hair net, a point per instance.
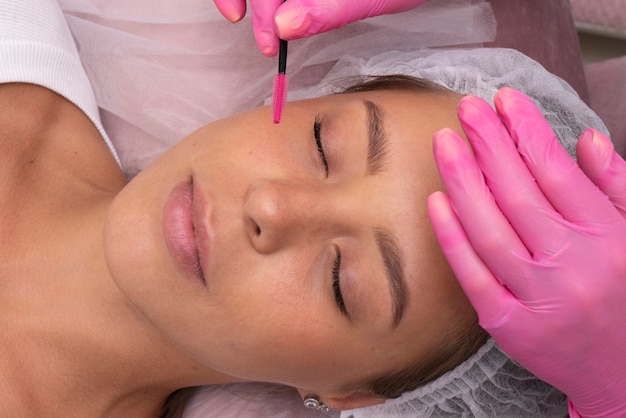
(489, 384)
(481, 72)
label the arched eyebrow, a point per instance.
(378, 141)
(392, 259)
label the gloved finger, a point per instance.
(486, 227)
(232, 10)
(302, 18)
(560, 179)
(514, 188)
(491, 301)
(606, 169)
(263, 24)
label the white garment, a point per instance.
(36, 47)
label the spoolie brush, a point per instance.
(280, 83)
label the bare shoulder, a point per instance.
(44, 138)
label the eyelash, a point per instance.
(336, 287)
(317, 127)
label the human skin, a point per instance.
(132, 323)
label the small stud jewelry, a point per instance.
(313, 402)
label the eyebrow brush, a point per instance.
(279, 96)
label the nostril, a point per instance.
(254, 228)
(264, 210)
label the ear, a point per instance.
(343, 401)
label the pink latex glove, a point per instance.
(539, 245)
(273, 19)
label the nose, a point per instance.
(278, 214)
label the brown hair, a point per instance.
(466, 337)
(364, 83)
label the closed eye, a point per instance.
(317, 129)
(336, 284)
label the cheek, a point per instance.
(262, 294)
(238, 150)
(276, 324)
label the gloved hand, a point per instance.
(539, 249)
(271, 19)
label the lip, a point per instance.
(186, 229)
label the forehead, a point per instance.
(423, 100)
(410, 116)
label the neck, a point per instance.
(74, 342)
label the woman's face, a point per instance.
(298, 253)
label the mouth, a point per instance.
(186, 229)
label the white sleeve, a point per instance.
(36, 47)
